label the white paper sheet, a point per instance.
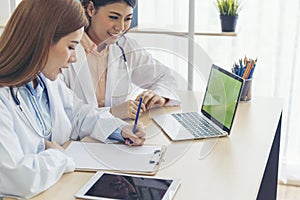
(119, 157)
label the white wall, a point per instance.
(5, 11)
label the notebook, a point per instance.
(217, 110)
(90, 156)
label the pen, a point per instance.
(245, 71)
(137, 117)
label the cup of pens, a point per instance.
(245, 69)
(246, 93)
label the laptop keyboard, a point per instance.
(196, 124)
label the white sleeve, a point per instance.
(22, 173)
(87, 119)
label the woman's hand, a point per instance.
(150, 99)
(135, 139)
(127, 109)
(53, 145)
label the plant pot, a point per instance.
(228, 23)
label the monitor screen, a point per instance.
(221, 97)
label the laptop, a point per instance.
(217, 110)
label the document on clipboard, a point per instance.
(90, 156)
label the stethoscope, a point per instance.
(127, 70)
(124, 56)
(14, 95)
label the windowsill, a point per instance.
(175, 32)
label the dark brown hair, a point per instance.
(101, 3)
(34, 26)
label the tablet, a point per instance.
(104, 185)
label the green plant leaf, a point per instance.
(228, 7)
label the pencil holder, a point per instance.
(246, 93)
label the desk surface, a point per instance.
(220, 168)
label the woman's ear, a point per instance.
(90, 9)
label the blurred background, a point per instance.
(267, 30)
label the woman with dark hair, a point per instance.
(39, 113)
(111, 64)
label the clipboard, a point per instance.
(90, 156)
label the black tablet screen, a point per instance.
(128, 187)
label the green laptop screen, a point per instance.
(221, 97)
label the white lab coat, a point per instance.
(145, 72)
(23, 171)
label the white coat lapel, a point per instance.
(26, 115)
(117, 87)
(84, 83)
(57, 113)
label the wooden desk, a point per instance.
(242, 166)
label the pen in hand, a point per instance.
(137, 117)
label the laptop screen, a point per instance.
(221, 97)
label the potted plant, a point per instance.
(228, 10)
